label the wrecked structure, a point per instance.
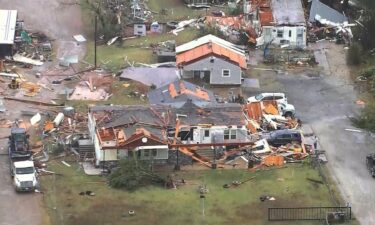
(212, 59)
(158, 131)
(178, 92)
(129, 131)
(283, 22)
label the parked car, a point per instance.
(286, 110)
(279, 97)
(282, 137)
(370, 162)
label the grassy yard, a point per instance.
(156, 205)
(134, 50)
(174, 10)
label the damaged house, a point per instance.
(159, 133)
(283, 22)
(129, 131)
(216, 61)
(215, 123)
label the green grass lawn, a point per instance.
(134, 50)
(175, 10)
(156, 205)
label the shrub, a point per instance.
(132, 174)
(367, 118)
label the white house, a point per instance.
(283, 23)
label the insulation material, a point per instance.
(274, 160)
(30, 89)
(270, 107)
(254, 111)
(253, 126)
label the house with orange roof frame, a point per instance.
(212, 59)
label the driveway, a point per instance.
(59, 21)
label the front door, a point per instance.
(299, 40)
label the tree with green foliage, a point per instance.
(367, 118)
(367, 32)
(132, 174)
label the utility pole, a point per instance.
(95, 36)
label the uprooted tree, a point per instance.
(132, 174)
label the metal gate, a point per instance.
(306, 213)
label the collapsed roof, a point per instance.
(178, 92)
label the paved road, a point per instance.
(325, 103)
(17, 208)
(59, 22)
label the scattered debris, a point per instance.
(353, 130)
(35, 119)
(66, 164)
(79, 38)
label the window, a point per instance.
(146, 153)
(290, 33)
(286, 136)
(154, 152)
(259, 97)
(278, 97)
(226, 134)
(206, 133)
(233, 134)
(230, 134)
(280, 33)
(226, 73)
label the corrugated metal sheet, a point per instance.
(326, 12)
(8, 19)
(208, 49)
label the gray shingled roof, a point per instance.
(159, 76)
(326, 12)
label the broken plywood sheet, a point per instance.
(23, 59)
(84, 93)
